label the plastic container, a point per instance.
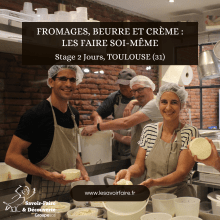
(156, 216)
(97, 148)
(63, 16)
(125, 210)
(201, 167)
(186, 218)
(4, 172)
(80, 204)
(82, 15)
(59, 213)
(9, 173)
(42, 14)
(28, 8)
(97, 204)
(209, 177)
(52, 18)
(205, 206)
(88, 212)
(187, 206)
(16, 16)
(164, 202)
(215, 202)
(15, 173)
(73, 16)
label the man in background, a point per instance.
(114, 105)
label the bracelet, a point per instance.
(98, 127)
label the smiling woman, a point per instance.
(163, 147)
(170, 106)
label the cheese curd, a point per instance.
(71, 174)
(124, 182)
(201, 148)
(80, 212)
(84, 212)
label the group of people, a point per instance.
(150, 134)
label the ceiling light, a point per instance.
(171, 0)
(102, 71)
(86, 70)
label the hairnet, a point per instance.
(57, 68)
(142, 80)
(172, 87)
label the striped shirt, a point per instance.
(150, 132)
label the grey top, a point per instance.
(153, 113)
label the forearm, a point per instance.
(21, 163)
(117, 124)
(123, 139)
(136, 170)
(170, 179)
(185, 164)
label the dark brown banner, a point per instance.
(110, 193)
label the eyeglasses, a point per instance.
(140, 90)
(64, 79)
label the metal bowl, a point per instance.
(208, 65)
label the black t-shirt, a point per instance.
(107, 106)
(37, 126)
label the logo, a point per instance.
(19, 199)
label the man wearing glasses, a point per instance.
(144, 112)
(48, 132)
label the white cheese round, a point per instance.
(124, 182)
(201, 148)
(71, 174)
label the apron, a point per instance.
(62, 155)
(135, 137)
(162, 160)
(119, 150)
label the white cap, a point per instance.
(55, 69)
(142, 80)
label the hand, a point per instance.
(129, 107)
(84, 176)
(122, 174)
(212, 159)
(148, 183)
(89, 130)
(60, 178)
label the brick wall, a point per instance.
(22, 87)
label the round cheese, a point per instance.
(71, 174)
(201, 148)
(124, 182)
